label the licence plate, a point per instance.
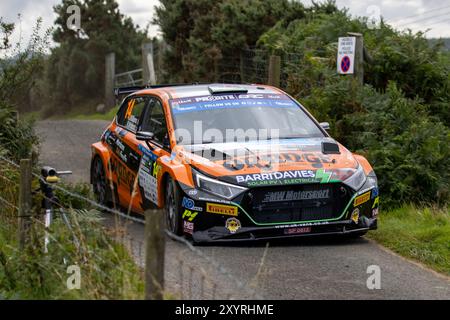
(297, 230)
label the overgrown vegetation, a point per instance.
(107, 270)
(422, 234)
(18, 67)
(398, 119)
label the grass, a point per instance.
(94, 116)
(421, 234)
(108, 270)
(82, 111)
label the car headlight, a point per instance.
(357, 179)
(219, 188)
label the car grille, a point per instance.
(296, 203)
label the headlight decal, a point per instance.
(356, 180)
(216, 187)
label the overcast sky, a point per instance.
(414, 14)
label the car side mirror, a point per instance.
(325, 125)
(144, 136)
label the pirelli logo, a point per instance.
(222, 209)
(361, 199)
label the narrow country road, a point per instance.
(304, 269)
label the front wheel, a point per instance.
(173, 207)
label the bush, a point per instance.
(398, 120)
(409, 151)
(17, 137)
(419, 68)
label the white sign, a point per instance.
(346, 55)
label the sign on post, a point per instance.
(346, 55)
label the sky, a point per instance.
(414, 14)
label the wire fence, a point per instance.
(189, 272)
(249, 65)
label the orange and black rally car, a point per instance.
(232, 162)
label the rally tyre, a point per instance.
(99, 182)
(173, 207)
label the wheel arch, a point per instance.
(99, 151)
(364, 163)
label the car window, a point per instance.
(155, 122)
(235, 117)
(130, 112)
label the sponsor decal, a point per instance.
(289, 231)
(233, 225)
(190, 204)
(188, 227)
(376, 202)
(361, 199)
(120, 132)
(355, 216)
(282, 159)
(375, 212)
(147, 152)
(192, 192)
(375, 192)
(285, 177)
(280, 196)
(125, 176)
(230, 101)
(222, 209)
(149, 172)
(132, 123)
(302, 225)
(275, 176)
(124, 152)
(189, 215)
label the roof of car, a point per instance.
(195, 90)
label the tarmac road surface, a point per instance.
(330, 268)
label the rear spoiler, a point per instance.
(129, 90)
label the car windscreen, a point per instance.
(240, 117)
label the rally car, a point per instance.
(232, 163)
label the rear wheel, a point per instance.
(99, 182)
(173, 208)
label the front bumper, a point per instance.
(345, 227)
(357, 214)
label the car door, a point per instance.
(154, 121)
(126, 157)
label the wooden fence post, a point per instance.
(25, 202)
(148, 66)
(274, 71)
(359, 56)
(110, 71)
(155, 250)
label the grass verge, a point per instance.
(421, 234)
(106, 268)
(108, 116)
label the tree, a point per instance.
(18, 67)
(203, 35)
(77, 65)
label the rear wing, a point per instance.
(129, 90)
